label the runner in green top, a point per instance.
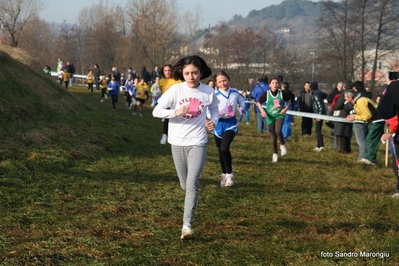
(274, 105)
(275, 112)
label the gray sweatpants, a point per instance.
(189, 162)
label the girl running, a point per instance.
(185, 105)
(227, 126)
(274, 112)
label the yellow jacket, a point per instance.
(362, 109)
(66, 76)
(90, 78)
(103, 83)
(164, 83)
(140, 91)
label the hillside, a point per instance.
(293, 19)
(28, 97)
(288, 9)
(36, 112)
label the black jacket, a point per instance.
(302, 106)
(318, 105)
(342, 109)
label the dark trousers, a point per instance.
(114, 98)
(128, 99)
(103, 92)
(307, 124)
(165, 126)
(344, 144)
(96, 81)
(90, 87)
(320, 140)
(373, 140)
(223, 145)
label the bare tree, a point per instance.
(384, 39)
(268, 44)
(102, 33)
(216, 46)
(155, 28)
(334, 38)
(38, 39)
(349, 30)
(15, 14)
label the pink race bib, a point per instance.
(276, 103)
(231, 111)
(193, 107)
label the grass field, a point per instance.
(81, 184)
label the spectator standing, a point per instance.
(336, 91)
(247, 106)
(288, 119)
(130, 71)
(60, 65)
(145, 75)
(318, 107)
(304, 104)
(330, 98)
(389, 109)
(117, 74)
(155, 74)
(70, 68)
(97, 74)
(342, 131)
(359, 129)
(256, 93)
(367, 136)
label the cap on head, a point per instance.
(314, 86)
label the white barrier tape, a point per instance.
(327, 117)
(55, 74)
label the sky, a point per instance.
(213, 11)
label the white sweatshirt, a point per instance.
(189, 129)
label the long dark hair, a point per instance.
(163, 68)
(195, 60)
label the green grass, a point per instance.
(81, 184)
